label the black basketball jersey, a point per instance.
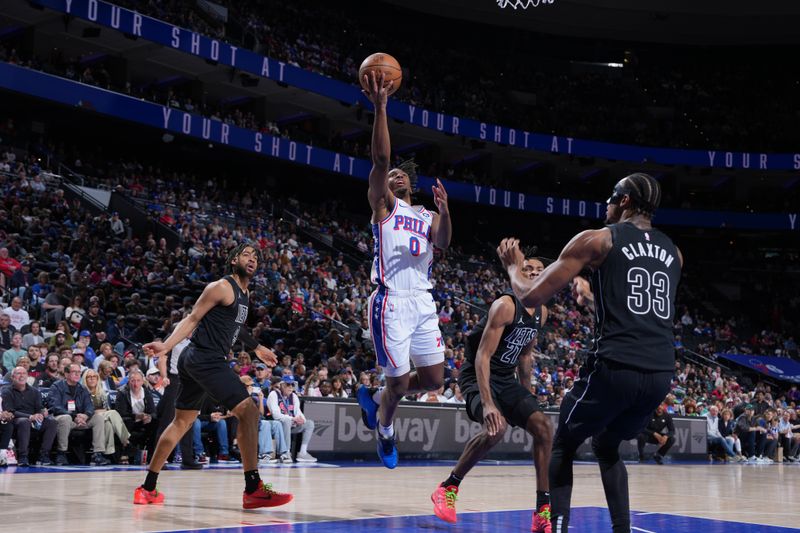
(516, 336)
(634, 292)
(219, 328)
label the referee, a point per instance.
(168, 368)
(635, 274)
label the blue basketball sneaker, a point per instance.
(387, 451)
(369, 408)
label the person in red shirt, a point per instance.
(8, 265)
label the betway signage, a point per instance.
(442, 431)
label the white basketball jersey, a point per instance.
(403, 249)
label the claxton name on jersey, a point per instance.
(646, 249)
(412, 225)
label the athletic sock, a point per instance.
(376, 396)
(542, 498)
(251, 481)
(304, 448)
(453, 480)
(386, 432)
(150, 481)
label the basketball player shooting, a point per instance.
(403, 322)
(635, 274)
(496, 382)
(219, 317)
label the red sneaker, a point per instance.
(541, 520)
(444, 503)
(144, 497)
(264, 496)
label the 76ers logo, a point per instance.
(522, 4)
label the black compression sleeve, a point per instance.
(247, 339)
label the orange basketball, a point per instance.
(380, 62)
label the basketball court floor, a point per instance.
(353, 497)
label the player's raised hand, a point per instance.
(158, 348)
(509, 253)
(266, 355)
(440, 198)
(379, 88)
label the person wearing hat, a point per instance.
(84, 339)
(284, 406)
(747, 428)
(93, 320)
(263, 376)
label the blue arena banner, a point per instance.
(133, 23)
(775, 367)
(74, 94)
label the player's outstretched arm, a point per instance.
(215, 293)
(380, 198)
(442, 228)
(587, 249)
(501, 314)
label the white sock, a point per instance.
(376, 397)
(304, 448)
(386, 431)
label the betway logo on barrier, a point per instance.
(422, 429)
(193, 43)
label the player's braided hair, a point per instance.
(236, 251)
(644, 191)
(409, 166)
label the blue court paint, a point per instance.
(583, 520)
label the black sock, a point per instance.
(453, 480)
(542, 498)
(251, 481)
(150, 481)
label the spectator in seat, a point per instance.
(337, 387)
(284, 405)
(75, 312)
(727, 426)
(713, 433)
(50, 374)
(54, 305)
(8, 265)
(115, 426)
(660, 430)
(93, 321)
(746, 429)
(137, 408)
(106, 374)
(212, 418)
(771, 436)
(22, 280)
(19, 316)
(12, 355)
(29, 415)
(790, 441)
(6, 331)
(268, 429)
(72, 406)
(34, 336)
(263, 376)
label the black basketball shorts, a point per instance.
(204, 373)
(515, 402)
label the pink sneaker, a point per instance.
(444, 503)
(541, 520)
